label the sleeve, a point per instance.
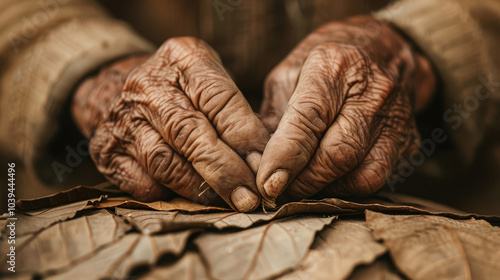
(46, 48)
(461, 38)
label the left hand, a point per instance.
(345, 100)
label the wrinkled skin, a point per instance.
(345, 100)
(341, 106)
(173, 122)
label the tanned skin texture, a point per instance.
(341, 109)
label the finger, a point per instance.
(282, 80)
(279, 87)
(270, 122)
(212, 91)
(375, 169)
(191, 135)
(349, 140)
(169, 168)
(318, 97)
(123, 170)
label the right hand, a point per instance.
(173, 121)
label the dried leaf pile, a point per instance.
(98, 233)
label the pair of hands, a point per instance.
(337, 116)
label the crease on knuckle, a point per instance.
(179, 176)
(314, 113)
(372, 177)
(301, 139)
(183, 128)
(178, 47)
(215, 96)
(159, 162)
(343, 156)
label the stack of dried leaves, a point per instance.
(96, 233)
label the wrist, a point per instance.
(425, 82)
(387, 44)
(95, 94)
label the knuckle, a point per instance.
(213, 93)
(382, 88)
(158, 162)
(371, 180)
(101, 145)
(139, 80)
(343, 156)
(309, 184)
(314, 112)
(184, 127)
(179, 46)
(335, 52)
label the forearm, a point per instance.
(96, 93)
(461, 39)
(45, 51)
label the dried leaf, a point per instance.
(178, 203)
(118, 259)
(433, 247)
(33, 221)
(163, 221)
(425, 204)
(150, 249)
(75, 194)
(337, 250)
(188, 267)
(260, 252)
(64, 243)
(381, 269)
(383, 205)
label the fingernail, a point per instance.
(253, 160)
(276, 182)
(244, 199)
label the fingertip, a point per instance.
(276, 183)
(253, 159)
(244, 199)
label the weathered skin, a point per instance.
(345, 99)
(341, 106)
(176, 121)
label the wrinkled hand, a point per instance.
(173, 121)
(345, 100)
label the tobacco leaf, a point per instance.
(434, 247)
(381, 269)
(163, 221)
(405, 204)
(65, 243)
(188, 267)
(118, 259)
(337, 250)
(33, 221)
(260, 252)
(424, 204)
(178, 203)
(76, 194)
(151, 248)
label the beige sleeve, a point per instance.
(46, 48)
(462, 39)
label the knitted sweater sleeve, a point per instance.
(461, 38)
(46, 48)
